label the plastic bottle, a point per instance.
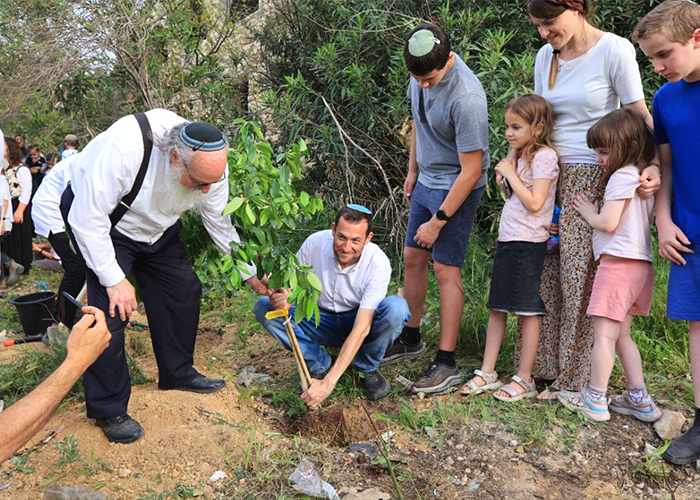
(553, 241)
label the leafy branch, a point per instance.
(267, 208)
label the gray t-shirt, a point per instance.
(449, 118)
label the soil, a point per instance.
(191, 436)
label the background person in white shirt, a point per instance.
(356, 314)
(70, 146)
(187, 169)
(48, 222)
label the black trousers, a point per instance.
(73, 278)
(18, 244)
(171, 293)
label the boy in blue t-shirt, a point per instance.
(670, 36)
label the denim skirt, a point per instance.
(515, 279)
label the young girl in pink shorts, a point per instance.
(624, 281)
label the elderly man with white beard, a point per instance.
(129, 186)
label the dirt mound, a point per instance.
(183, 444)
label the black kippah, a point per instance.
(201, 136)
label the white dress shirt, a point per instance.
(5, 195)
(24, 178)
(104, 173)
(362, 285)
(46, 211)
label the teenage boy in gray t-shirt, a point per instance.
(445, 181)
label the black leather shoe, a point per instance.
(376, 386)
(200, 383)
(685, 449)
(121, 429)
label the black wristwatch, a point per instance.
(441, 215)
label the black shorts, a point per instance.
(515, 279)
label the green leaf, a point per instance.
(314, 282)
(249, 213)
(304, 198)
(264, 214)
(233, 205)
(302, 146)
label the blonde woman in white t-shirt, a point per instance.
(624, 281)
(584, 73)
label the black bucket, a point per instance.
(35, 311)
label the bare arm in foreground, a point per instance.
(24, 418)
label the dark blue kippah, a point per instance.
(201, 136)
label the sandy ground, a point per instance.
(191, 436)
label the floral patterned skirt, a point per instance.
(566, 333)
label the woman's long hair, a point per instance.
(551, 9)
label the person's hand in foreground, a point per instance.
(28, 415)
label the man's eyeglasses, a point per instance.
(200, 185)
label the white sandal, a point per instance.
(513, 396)
(492, 383)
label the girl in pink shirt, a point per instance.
(530, 187)
(624, 280)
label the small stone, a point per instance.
(190, 464)
(669, 426)
(124, 473)
(576, 456)
(432, 433)
(634, 454)
(637, 491)
(197, 492)
(513, 443)
(421, 395)
(640, 485)
(467, 471)
(649, 449)
(697, 465)
(218, 475)
(460, 446)
(460, 459)
(449, 461)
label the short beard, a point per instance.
(174, 198)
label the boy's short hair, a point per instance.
(356, 216)
(71, 140)
(674, 19)
(435, 59)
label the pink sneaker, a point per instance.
(591, 409)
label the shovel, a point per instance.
(304, 375)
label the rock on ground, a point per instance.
(669, 425)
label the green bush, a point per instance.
(350, 54)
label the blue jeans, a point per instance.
(387, 324)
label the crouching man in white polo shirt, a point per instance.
(356, 314)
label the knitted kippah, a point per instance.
(359, 208)
(201, 136)
(422, 43)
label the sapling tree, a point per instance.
(266, 209)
